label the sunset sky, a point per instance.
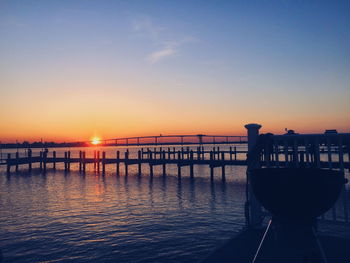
(73, 69)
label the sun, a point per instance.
(95, 140)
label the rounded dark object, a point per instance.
(299, 194)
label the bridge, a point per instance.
(155, 140)
(174, 140)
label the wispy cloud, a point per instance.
(165, 49)
(161, 54)
(145, 24)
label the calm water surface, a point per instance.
(65, 217)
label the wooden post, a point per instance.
(179, 170)
(17, 157)
(230, 153)
(164, 163)
(151, 169)
(139, 157)
(253, 207)
(8, 163)
(179, 154)
(191, 164)
(182, 153)
(103, 162)
(29, 160)
(307, 153)
(118, 162)
(80, 160)
(54, 160)
(84, 162)
(41, 160)
(44, 160)
(211, 156)
(69, 160)
(168, 153)
(98, 161)
(94, 160)
(317, 153)
(65, 161)
(329, 153)
(223, 166)
(235, 153)
(295, 154)
(285, 148)
(126, 158)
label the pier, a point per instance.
(214, 158)
(155, 157)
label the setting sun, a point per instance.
(95, 140)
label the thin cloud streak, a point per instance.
(161, 54)
(167, 48)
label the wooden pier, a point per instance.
(214, 158)
(156, 157)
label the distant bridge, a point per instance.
(174, 140)
(198, 139)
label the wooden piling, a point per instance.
(65, 161)
(8, 163)
(223, 166)
(17, 157)
(126, 158)
(84, 162)
(80, 160)
(118, 163)
(54, 160)
(94, 160)
(164, 163)
(69, 160)
(151, 170)
(211, 165)
(139, 157)
(41, 161)
(191, 165)
(103, 162)
(44, 160)
(98, 161)
(29, 160)
(178, 170)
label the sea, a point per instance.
(61, 216)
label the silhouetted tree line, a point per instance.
(27, 144)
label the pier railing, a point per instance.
(329, 151)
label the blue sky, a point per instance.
(173, 66)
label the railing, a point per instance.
(330, 151)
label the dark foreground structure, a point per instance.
(242, 248)
(296, 194)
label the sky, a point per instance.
(70, 70)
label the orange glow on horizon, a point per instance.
(95, 140)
